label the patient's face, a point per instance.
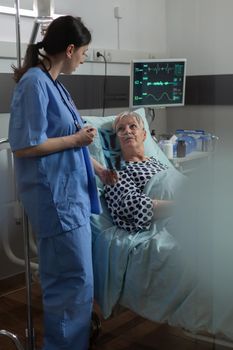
(130, 132)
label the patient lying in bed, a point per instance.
(130, 208)
(165, 273)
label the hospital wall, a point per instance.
(141, 28)
(202, 31)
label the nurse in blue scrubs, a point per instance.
(56, 180)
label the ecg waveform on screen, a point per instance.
(164, 95)
(160, 69)
(156, 69)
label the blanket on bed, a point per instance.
(146, 271)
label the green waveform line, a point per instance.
(157, 68)
(161, 83)
(177, 68)
(163, 95)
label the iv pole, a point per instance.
(44, 9)
(18, 40)
(30, 338)
(3, 332)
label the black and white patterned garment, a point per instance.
(129, 207)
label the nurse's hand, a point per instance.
(85, 136)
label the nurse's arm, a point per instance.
(57, 144)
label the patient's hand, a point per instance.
(162, 208)
(108, 177)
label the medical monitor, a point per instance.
(157, 82)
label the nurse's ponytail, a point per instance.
(61, 32)
(31, 59)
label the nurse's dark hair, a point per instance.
(61, 32)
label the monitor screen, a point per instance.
(157, 82)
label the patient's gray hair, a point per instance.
(127, 114)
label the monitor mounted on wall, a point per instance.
(157, 82)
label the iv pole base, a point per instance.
(13, 337)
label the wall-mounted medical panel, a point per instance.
(209, 90)
(87, 91)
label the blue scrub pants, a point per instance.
(67, 287)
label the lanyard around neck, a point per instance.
(66, 100)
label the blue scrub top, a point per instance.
(58, 191)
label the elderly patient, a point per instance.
(129, 207)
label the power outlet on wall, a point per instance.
(108, 55)
(96, 56)
(120, 56)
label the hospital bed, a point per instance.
(148, 272)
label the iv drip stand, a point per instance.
(30, 340)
